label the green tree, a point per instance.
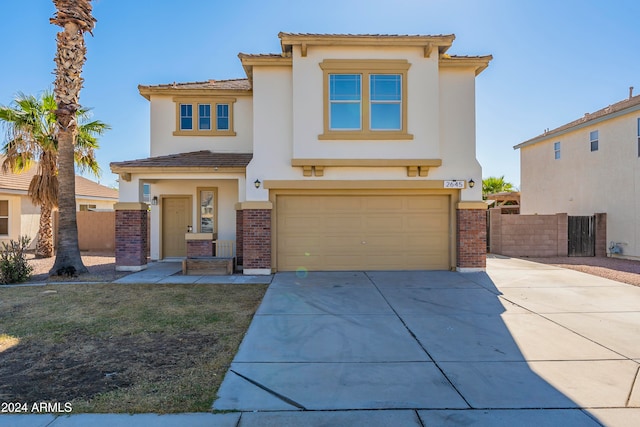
(492, 185)
(31, 142)
(74, 16)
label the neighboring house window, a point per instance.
(556, 150)
(4, 217)
(84, 208)
(207, 211)
(593, 138)
(204, 116)
(365, 99)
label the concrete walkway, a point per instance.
(166, 273)
(526, 344)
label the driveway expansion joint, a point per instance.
(268, 390)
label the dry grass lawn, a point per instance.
(121, 348)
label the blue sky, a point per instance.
(554, 60)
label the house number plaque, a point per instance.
(454, 184)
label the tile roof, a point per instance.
(588, 118)
(284, 34)
(19, 183)
(196, 159)
(231, 84)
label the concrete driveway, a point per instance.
(523, 343)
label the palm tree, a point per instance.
(31, 141)
(492, 185)
(74, 16)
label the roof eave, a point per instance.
(577, 126)
(148, 91)
(479, 63)
(442, 42)
(119, 169)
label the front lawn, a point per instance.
(121, 348)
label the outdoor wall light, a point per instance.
(154, 201)
(472, 183)
(257, 183)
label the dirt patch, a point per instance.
(82, 366)
(621, 270)
(121, 348)
(101, 266)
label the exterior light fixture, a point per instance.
(257, 183)
(154, 201)
(472, 183)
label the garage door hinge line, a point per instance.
(272, 392)
(419, 343)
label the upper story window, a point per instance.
(365, 99)
(194, 116)
(593, 139)
(556, 150)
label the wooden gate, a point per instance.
(582, 236)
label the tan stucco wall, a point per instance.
(163, 124)
(101, 205)
(582, 182)
(288, 117)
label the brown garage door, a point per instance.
(362, 232)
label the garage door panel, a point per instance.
(327, 232)
(342, 223)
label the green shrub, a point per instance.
(14, 267)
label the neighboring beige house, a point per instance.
(342, 152)
(589, 165)
(19, 217)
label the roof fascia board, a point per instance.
(178, 169)
(480, 63)
(147, 91)
(426, 42)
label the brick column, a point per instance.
(199, 245)
(239, 236)
(131, 236)
(601, 234)
(471, 236)
(256, 239)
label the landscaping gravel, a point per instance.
(622, 270)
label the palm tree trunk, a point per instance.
(44, 247)
(75, 17)
(68, 252)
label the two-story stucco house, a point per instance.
(589, 165)
(342, 152)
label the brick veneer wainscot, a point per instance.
(239, 237)
(471, 238)
(131, 238)
(199, 248)
(256, 238)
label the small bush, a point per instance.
(14, 267)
